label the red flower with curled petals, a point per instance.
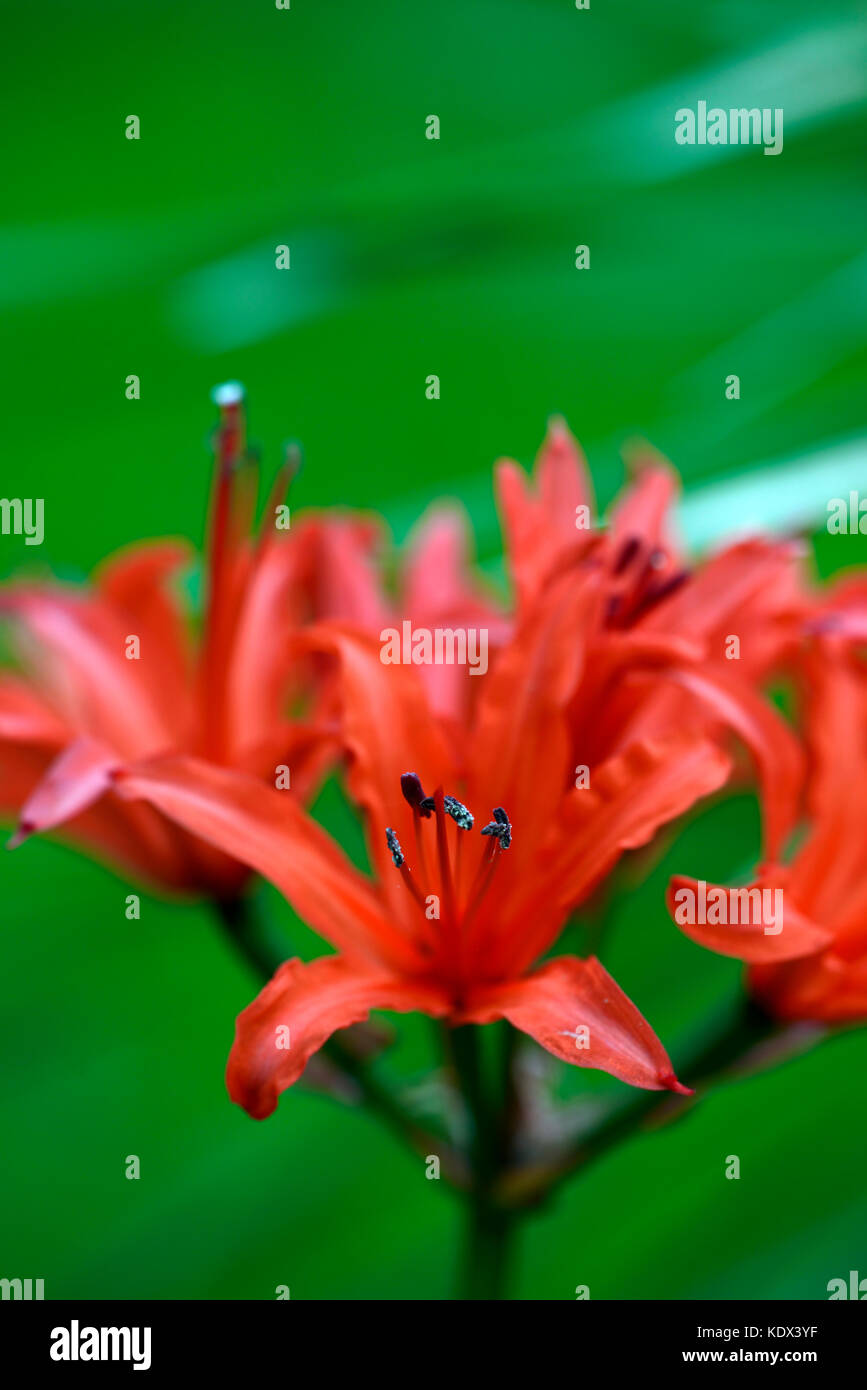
(808, 960)
(656, 661)
(456, 917)
(85, 708)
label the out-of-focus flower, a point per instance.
(753, 589)
(812, 962)
(435, 588)
(114, 674)
(674, 645)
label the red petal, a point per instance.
(520, 746)
(746, 941)
(80, 645)
(630, 797)
(563, 478)
(746, 588)
(267, 830)
(312, 1002)
(643, 508)
(26, 718)
(388, 729)
(255, 678)
(822, 988)
(346, 575)
(768, 737)
(77, 777)
(831, 866)
(439, 590)
(135, 839)
(539, 522)
(136, 583)
(569, 994)
(437, 573)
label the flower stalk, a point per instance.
(488, 1100)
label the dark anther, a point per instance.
(628, 552)
(499, 826)
(410, 785)
(394, 845)
(452, 807)
(666, 587)
(458, 812)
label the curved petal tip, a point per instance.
(669, 1082)
(23, 832)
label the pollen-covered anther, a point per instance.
(393, 843)
(459, 813)
(499, 826)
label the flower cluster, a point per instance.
(493, 808)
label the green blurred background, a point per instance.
(409, 257)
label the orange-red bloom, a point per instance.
(114, 675)
(594, 677)
(454, 919)
(660, 657)
(815, 967)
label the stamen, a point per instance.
(500, 826)
(229, 443)
(413, 791)
(445, 865)
(397, 856)
(482, 881)
(458, 812)
(452, 807)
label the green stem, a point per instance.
(486, 1252)
(490, 1226)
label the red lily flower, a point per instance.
(454, 920)
(815, 967)
(660, 658)
(84, 708)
